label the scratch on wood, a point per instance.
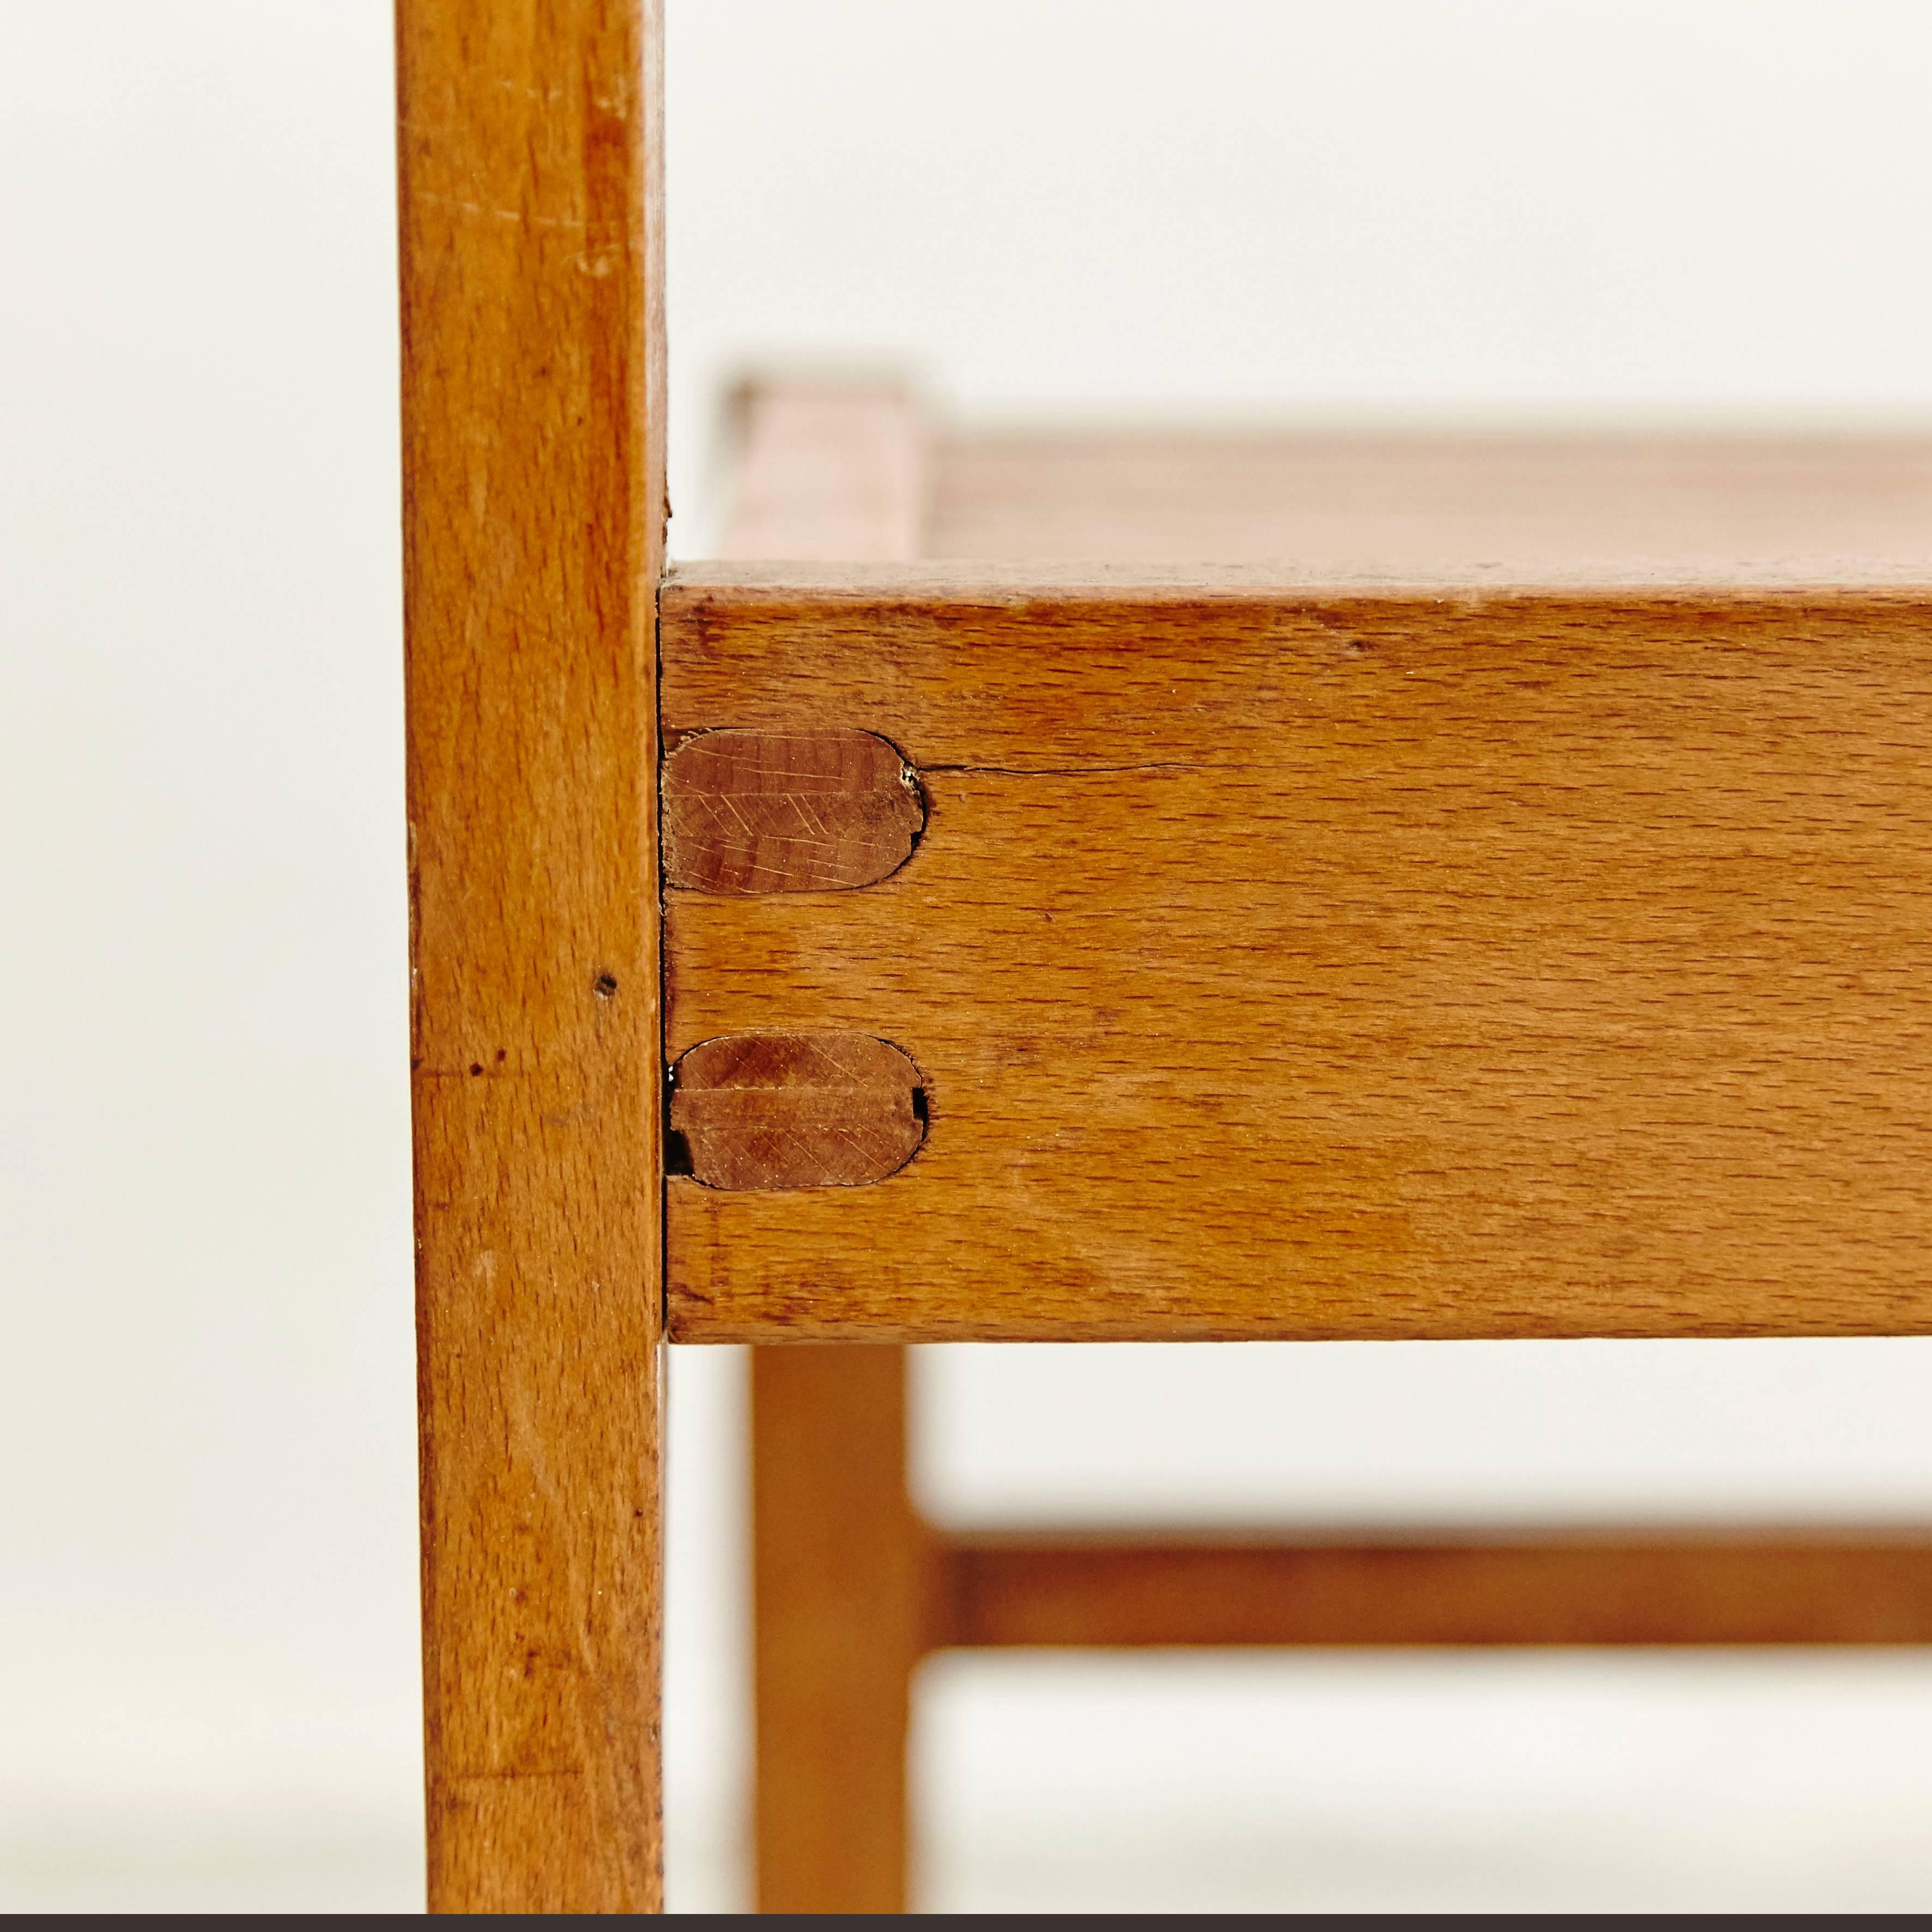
(748, 812)
(759, 1112)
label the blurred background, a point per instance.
(1604, 211)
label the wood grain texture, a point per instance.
(771, 1111)
(850, 1587)
(1112, 1592)
(786, 811)
(533, 508)
(842, 1581)
(841, 1568)
(1291, 962)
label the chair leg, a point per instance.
(841, 1574)
(529, 139)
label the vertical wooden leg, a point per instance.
(840, 1569)
(532, 444)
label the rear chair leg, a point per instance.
(841, 1574)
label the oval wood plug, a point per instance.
(786, 811)
(763, 1111)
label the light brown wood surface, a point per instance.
(841, 1582)
(851, 1588)
(533, 452)
(1335, 507)
(1298, 963)
(1611, 1588)
(841, 1569)
(829, 470)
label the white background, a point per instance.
(1606, 212)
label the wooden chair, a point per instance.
(1488, 899)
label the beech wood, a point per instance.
(841, 1568)
(830, 469)
(1612, 1588)
(841, 1582)
(747, 812)
(1301, 964)
(1333, 507)
(797, 1110)
(842, 1558)
(532, 428)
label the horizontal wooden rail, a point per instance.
(1278, 961)
(1098, 1592)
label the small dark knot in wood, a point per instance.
(763, 1111)
(786, 811)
